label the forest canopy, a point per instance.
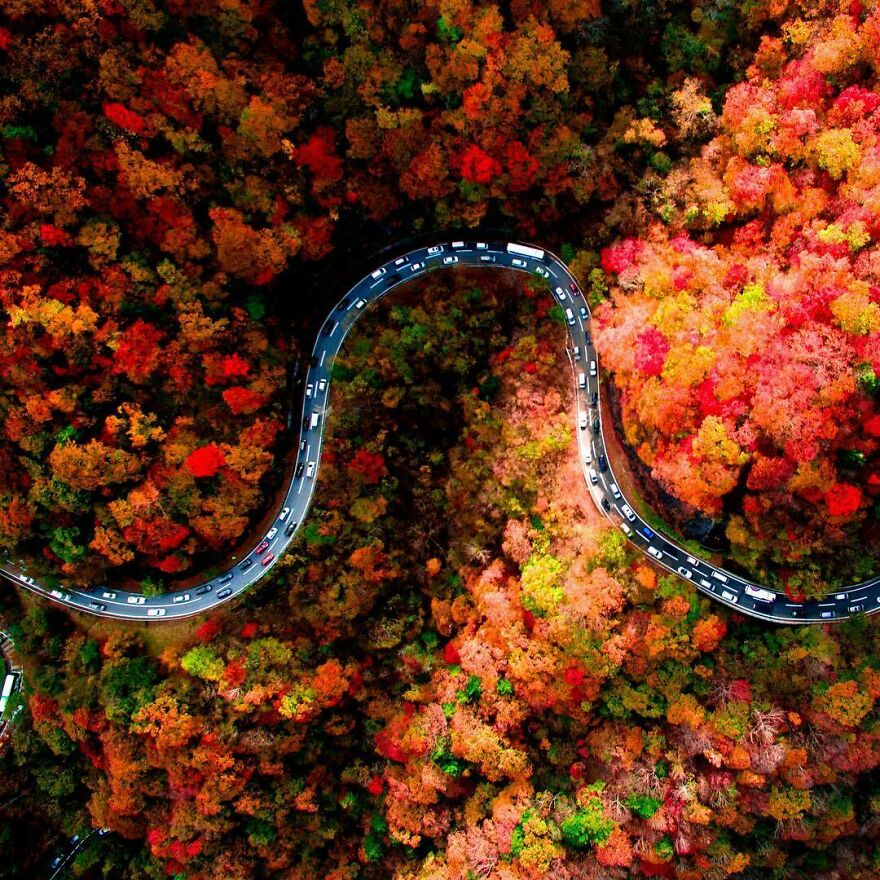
(460, 671)
(743, 329)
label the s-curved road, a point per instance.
(723, 586)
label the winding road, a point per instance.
(723, 586)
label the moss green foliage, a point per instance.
(588, 826)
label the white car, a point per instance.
(378, 273)
(284, 513)
(322, 385)
(360, 303)
(271, 534)
(183, 597)
(487, 258)
(654, 552)
(614, 490)
(561, 294)
(437, 249)
(136, 600)
(155, 612)
(520, 264)
(626, 530)
(582, 421)
(730, 597)
(588, 457)
(685, 572)
(310, 470)
(627, 511)
(448, 261)
(592, 368)
(540, 270)
(415, 267)
(569, 316)
(310, 389)
(400, 261)
(108, 595)
(481, 245)
(594, 477)
(577, 353)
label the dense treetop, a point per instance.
(496, 687)
(744, 325)
(459, 672)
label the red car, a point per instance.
(262, 547)
(267, 559)
(574, 288)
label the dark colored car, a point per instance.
(314, 361)
(594, 398)
(205, 589)
(290, 529)
(596, 426)
(606, 504)
(573, 288)
(225, 578)
(602, 462)
(646, 532)
(244, 566)
(344, 303)
(224, 593)
(300, 468)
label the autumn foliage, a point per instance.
(460, 671)
(545, 701)
(743, 331)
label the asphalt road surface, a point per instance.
(723, 586)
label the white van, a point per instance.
(760, 594)
(316, 417)
(582, 379)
